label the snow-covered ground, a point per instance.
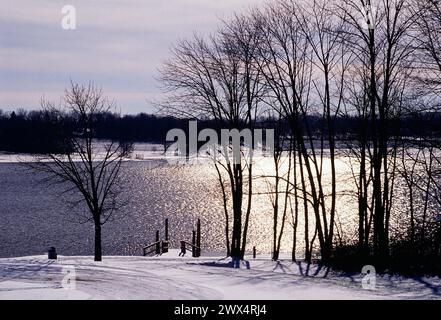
(171, 277)
(141, 152)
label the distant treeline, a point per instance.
(45, 131)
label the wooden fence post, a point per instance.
(254, 252)
(166, 229)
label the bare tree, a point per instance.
(428, 57)
(218, 78)
(304, 63)
(379, 35)
(89, 169)
(315, 61)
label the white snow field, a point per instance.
(141, 152)
(172, 278)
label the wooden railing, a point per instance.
(154, 247)
(161, 246)
(158, 247)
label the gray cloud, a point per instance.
(119, 45)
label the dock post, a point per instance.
(158, 244)
(164, 244)
(183, 249)
(198, 239)
(193, 242)
(254, 252)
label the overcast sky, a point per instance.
(118, 45)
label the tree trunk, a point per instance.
(98, 249)
(236, 252)
(296, 206)
(305, 208)
(276, 213)
(248, 212)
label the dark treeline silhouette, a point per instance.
(33, 132)
(44, 131)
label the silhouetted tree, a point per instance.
(89, 169)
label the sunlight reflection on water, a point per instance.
(34, 217)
